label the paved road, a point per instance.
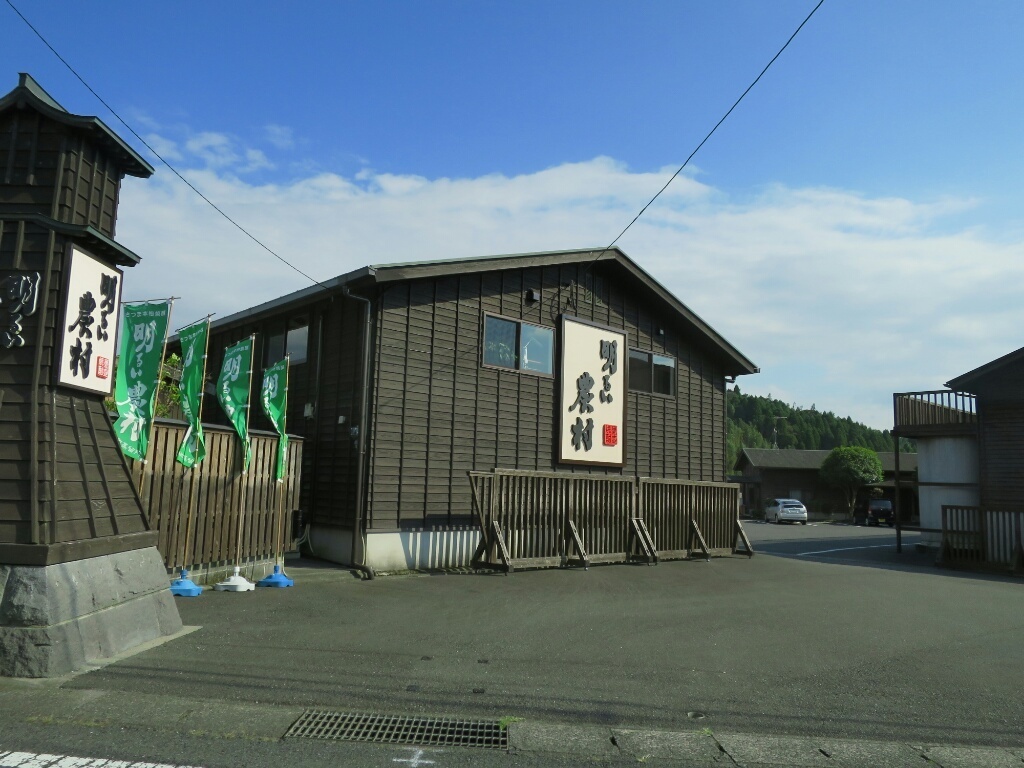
(826, 634)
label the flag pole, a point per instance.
(183, 586)
(278, 578)
(237, 582)
(245, 454)
(199, 420)
(156, 394)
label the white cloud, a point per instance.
(217, 150)
(280, 136)
(840, 298)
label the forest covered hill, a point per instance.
(752, 419)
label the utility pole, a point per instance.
(775, 430)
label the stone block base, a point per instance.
(55, 619)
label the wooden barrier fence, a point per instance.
(982, 538)
(548, 518)
(213, 515)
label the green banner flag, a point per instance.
(274, 398)
(138, 374)
(233, 386)
(193, 373)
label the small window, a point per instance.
(652, 373)
(297, 341)
(663, 375)
(639, 371)
(518, 346)
(535, 348)
(275, 348)
(500, 342)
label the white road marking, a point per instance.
(32, 760)
(843, 549)
(415, 761)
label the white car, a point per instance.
(785, 511)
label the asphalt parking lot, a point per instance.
(826, 632)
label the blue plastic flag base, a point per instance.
(183, 586)
(276, 579)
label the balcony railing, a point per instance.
(937, 412)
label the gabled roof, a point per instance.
(1008, 366)
(30, 94)
(798, 459)
(388, 273)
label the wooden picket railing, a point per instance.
(549, 518)
(982, 538)
(936, 412)
(213, 515)
(671, 506)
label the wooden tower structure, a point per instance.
(80, 576)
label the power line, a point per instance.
(173, 170)
(686, 162)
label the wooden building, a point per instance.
(408, 377)
(970, 438)
(790, 473)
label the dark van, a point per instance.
(875, 512)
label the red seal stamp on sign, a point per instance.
(611, 434)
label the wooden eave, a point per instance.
(969, 382)
(90, 238)
(29, 94)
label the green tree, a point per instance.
(168, 398)
(850, 468)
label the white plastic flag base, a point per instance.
(236, 583)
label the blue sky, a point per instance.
(855, 227)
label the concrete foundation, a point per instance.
(399, 550)
(55, 619)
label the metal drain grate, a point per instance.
(388, 729)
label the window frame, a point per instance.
(650, 354)
(519, 323)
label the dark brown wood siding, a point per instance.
(438, 413)
(326, 386)
(1002, 446)
(48, 168)
(63, 477)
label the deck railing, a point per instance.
(548, 518)
(213, 515)
(935, 410)
(982, 538)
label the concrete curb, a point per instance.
(44, 702)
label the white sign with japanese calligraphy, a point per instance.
(592, 381)
(88, 330)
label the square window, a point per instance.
(500, 342)
(652, 373)
(518, 345)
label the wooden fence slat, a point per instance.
(535, 510)
(198, 513)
